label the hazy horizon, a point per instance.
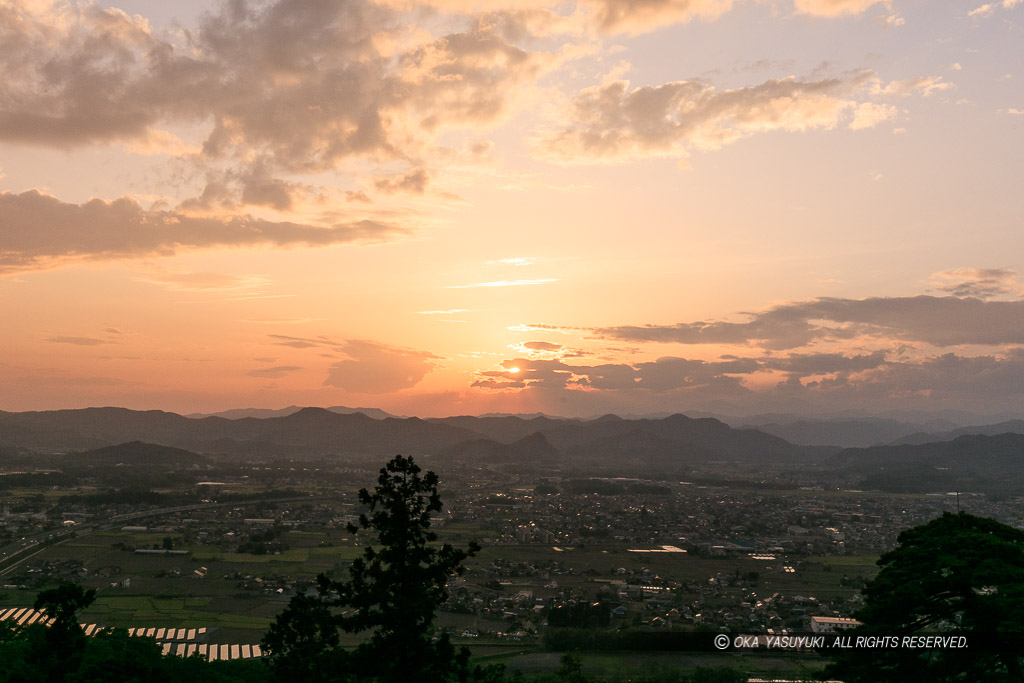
(453, 207)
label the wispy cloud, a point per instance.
(504, 283)
(983, 283)
(521, 261)
(282, 321)
(77, 341)
(274, 372)
(614, 121)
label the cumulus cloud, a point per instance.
(291, 85)
(373, 368)
(922, 85)
(622, 16)
(870, 114)
(613, 121)
(804, 364)
(990, 7)
(940, 321)
(39, 230)
(638, 16)
(823, 381)
(659, 376)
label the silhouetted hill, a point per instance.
(87, 428)
(968, 463)
(505, 429)
(309, 432)
(532, 449)
(611, 440)
(138, 453)
(848, 433)
(263, 413)
(1008, 426)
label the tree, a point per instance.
(571, 669)
(957, 573)
(392, 593)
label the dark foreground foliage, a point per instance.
(61, 652)
(958, 573)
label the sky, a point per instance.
(472, 206)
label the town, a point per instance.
(561, 553)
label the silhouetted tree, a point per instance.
(956, 573)
(392, 593)
(571, 669)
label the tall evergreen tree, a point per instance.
(392, 593)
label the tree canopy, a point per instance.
(958, 573)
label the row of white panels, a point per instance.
(182, 645)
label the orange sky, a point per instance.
(464, 207)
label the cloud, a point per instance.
(40, 230)
(303, 342)
(542, 327)
(951, 377)
(413, 182)
(622, 16)
(208, 282)
(274, 372)
(613, 121)
(639, 16)
(287, 86)
(659, 376)
(504, 283)
(940, 321)
(518, 261)
(922, 85)
(542, 346)
(373, 368)
(804, 364)
(77, 341)
(811, 382)
(990, 7)
(979, 282)
(870, 114)
(829, 8)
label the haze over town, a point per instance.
(457, 207)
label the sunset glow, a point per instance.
(575, 208)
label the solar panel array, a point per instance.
(181, 642)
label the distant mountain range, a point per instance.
(318, 432)
(987, 457)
